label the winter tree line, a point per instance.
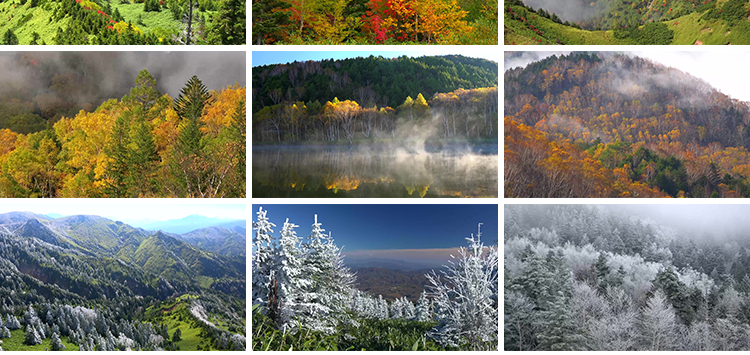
(102, 330)
(91, 330)
(96, 309)
(304, 284)
(586, 278)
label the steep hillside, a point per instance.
(218, 240)
(110, 22)
(632, 22)
(383, 81)
(627, 121)
(172, 258)
(98, 233)
(60, 275)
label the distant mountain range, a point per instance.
(191, 223)
(390, 283)
(146, 263)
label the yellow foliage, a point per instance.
(220, 112)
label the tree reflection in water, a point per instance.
(362, 172)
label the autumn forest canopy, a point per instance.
(374, 22)
(441, 97)
(147, 144)
(611, 125)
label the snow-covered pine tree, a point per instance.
(423, 308)
(382, 306)
(657, 323)
(329, 292)
(32, 336)
(466, 306)
(290, 277)
(559, 332)
(262, 262)
(4, 332)
(409, 312)
(397, 309)
(13, 323)
(55, 343)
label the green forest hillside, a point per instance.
(384, 81)
(685, 22)
(108, 22)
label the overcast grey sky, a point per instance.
(729, 72)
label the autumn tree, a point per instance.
(269, 18)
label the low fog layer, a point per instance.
(567, 10)
(710, 222)
(522, 59)
(103, 75)
(723, 72)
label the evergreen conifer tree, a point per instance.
(230, 23)
(32, 336)
(144, 92)
(559, 332)
(143, 160)
(262, 262)
(55, 343)
(423, 308)
(290, 276)
(119, 166)
(465, 309)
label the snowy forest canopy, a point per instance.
(582, 277)
(302, 285)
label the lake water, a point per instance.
(367, 172)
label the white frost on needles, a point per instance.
(466, 305)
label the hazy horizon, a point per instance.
(132, 214)
(723, 72)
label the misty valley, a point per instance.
(85, 282)
(366, 172)
(626, 278)
(620, 125)
(363, 127)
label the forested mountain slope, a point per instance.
(371, 80)
(581, 277)
(626, 22)
(56, 270)
(619, 120)
(375, 97)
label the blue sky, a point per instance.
(156, 210)
(377, 227)
(272, 57)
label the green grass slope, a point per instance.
(707, 27)
(175, 313)
(24, 20)
(18, 336)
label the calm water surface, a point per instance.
(367, 172)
